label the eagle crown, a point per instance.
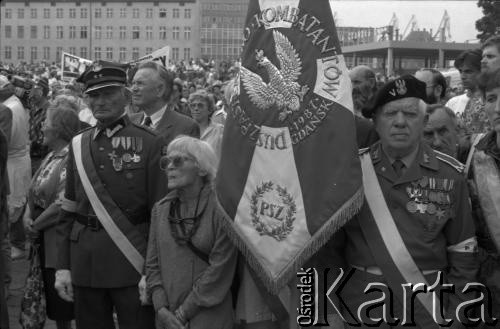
(283, 89)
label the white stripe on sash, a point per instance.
(393, 241)
(121, 241)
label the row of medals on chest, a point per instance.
(131, 146)
(430, 195)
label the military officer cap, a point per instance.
(102, 74)
(403, 87)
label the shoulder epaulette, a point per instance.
(84, 130)
(363, 150)
(149, 130)
(459, 166)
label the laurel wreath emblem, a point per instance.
(281, 232)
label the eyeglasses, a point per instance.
(176, 160)
(197, 105)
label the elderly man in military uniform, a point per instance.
(111, 186)
(415, 226)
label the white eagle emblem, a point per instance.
(283, 88)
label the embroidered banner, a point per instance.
(289, 175)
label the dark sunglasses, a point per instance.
(177, 161)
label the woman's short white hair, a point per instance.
(201, 151)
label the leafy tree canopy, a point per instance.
(489, 24)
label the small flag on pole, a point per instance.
(289, 175)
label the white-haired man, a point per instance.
(152, 88)
(415, 226)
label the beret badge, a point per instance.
(400, 88)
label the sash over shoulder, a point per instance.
(123, 233)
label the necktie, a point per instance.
(398, 166)
(147, 121)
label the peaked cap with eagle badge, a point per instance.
(404, 87)
(102, 74)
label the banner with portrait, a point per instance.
(161, 56)
(73, 66)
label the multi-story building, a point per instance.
(221, 33)
(40, 30)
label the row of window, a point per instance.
(227, 20)
(219, 33)
(226, 7)
(99, 13)
(220, 50)
(99, 32)
(99, 53)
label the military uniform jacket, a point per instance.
(91, 255)
(430, 232)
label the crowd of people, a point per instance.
(110, 180)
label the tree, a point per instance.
(489, 24)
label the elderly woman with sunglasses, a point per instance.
(190, 261)
(202, 107)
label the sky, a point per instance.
(376, 13)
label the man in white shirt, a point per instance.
(468, 64)
(18, 171)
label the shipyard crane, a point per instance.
(443, 33)
(394, 22)
(412, 25)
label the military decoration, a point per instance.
(131, 147)
(116, 161)
(126, 157)
(431, 195)
(115, 142)
(136, 148)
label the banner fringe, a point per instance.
(339, 219)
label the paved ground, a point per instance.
(19, 273)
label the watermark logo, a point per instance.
(475, 308)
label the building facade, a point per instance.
(40, 30)
(221, 32)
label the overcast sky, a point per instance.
(377, 13)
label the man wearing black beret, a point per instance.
(111, 186)
(415, 225)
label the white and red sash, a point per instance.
(390, 251)
(123, 233)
